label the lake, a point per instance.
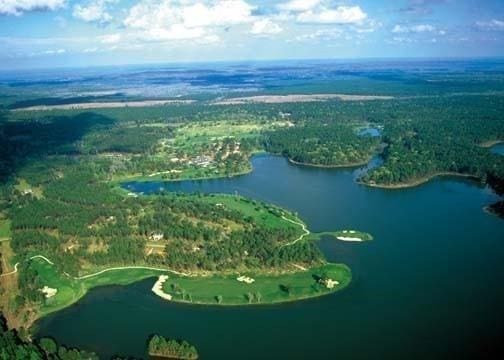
(428, 287)
(498, 149)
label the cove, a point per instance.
(428, 286)
(498, 149)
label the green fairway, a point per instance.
(223, 290)
(266, 289)
(264, 214)
(71, 290)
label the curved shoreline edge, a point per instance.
(420, 181)
(341, 282)
(397, 186)
(343, 166)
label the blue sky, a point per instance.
(52, 33)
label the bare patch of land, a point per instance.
(104, 105)
(277, 99)
(489, 144)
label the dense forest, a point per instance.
(322, 144)
(173, 349)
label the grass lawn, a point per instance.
(203, 290)
(23, 185)
(205, 131)
(5, 230)
(262, 213)
(70, 290)
(271, 288)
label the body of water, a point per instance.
(498, 149)
(428, 287)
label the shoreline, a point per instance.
(490, 143)
(345, 166)
(157, 178)
(342, 285)
(418, 182)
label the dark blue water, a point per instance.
(498, 149)
(428, 287)
(373, 132)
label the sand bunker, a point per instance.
(158, 288)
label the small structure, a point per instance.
(245, 279)
(202, 160)
(156, 236)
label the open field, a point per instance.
(266, 289)
(265, 214)
(279, 99)
(489, 144)
(25, 188)
(104, 105)
(5, 231)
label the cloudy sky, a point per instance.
(49, 33)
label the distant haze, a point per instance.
(55, 33)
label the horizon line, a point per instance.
(249, 61)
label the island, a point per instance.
(160, 347)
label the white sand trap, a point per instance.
(49, 292)
(330, 283)
(158, 288)
(245, 279)
(348, 238)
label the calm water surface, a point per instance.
(498, 149)
(430, 286)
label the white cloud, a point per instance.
(173, 32)
(299, 5)
(93, 11)
(399, 29)
(18, 7)
(322, 34)
(191, 14)
(186, 19)
(90, 50)
(339, 15)
(55, 52)
(110, 38)
(224, 12)
(265, 27)
(492, 25)
(402, 39)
